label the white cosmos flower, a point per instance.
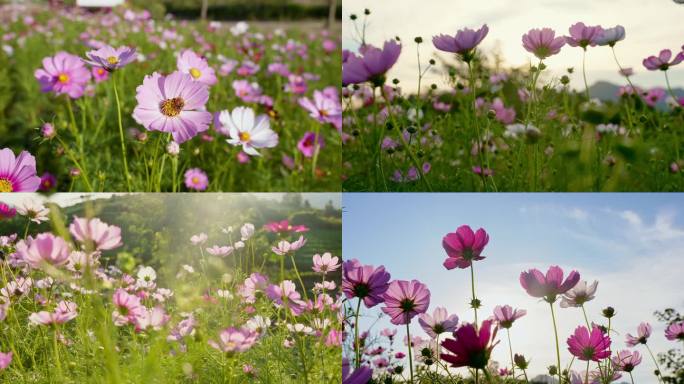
(248, 130)
(34, 210)
(579, 294)
(247, 231)
(147, 275)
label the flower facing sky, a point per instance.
(440, 322)
(586, 346)
(675, 331)
(506, 315)
(549, 286)
(464, 246)
(626, 360)
(643, 333)
(463, 43)
(63, 74)
(542, 42)
(250, 131)
(579, 294)
(364, 282)
(583, 36)
(405, 299)
(371, 65)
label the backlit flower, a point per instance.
(44, 248)
(365, 282)
(440, 322)
(371, 65)
(100, 235)
(463, 43)
(662, 61)
(285, 295)
(234, 340)
(405, 299)
(505, 316)
(542, 42)
(34, 210)
(549, 286)
(583, 36)
(579, 294)
(626, 360)
(464, 246)
(284, 226)
(471, 346)
(587, 346)
(610, 36)
(643, 333)
(675, 331)
(127, 308)
(284, 247)
(326, 263)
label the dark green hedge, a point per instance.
(256, 12)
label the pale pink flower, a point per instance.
(439, 322)
(326, 263)
(100, 235)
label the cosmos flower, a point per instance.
(47, 182)
(542, 42)
(587, 346)
(64, 312)
(154, 318)
(18, 174)
(549, 286)
(247, 231)
(95, 232)
(583, 36)
(405, 299)
(99, 74)
(222, 251)
(440, 322)
(675, 331)
(579, 294)
(283, 227)
(324, 108)
(5, 359)
(173, 104)
(662, 61)
(626, 360)
(128, 308)
(464, 246)
(196, 66)
(34, 210)
(307, 145)
(284, 247)
(234, 340)
(365, 282)
(371, 65)
(256, 282)
(643, 333)
(471, 346)
(7, 212)
(505, 316)
(285, 295)
(248, 130)
(610, 36)
(463, 43)
(326, 263)
(63, 74)
(111, 58)
(44, 248)
(196, 179)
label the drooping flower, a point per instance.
(233, 340)
(111, 58)
(33, 210)
(662, 61)
(506, 315)
(172, 104)
(5, 359)
(583, 36)
(610, 36)
(626, 360)
(307, 145)
(587, 346)
(96, 233)
(285, 295)
(196, 66)
(63, 74)
(405, 299)
(248, 130)
(549, 286)
(439, 322)
(44, 248)
(542, 42)
(365, 282)
(643, 333)
(371, 65)
(324, 108)
(463, 43)
(471, 346)
(196, 179)
(464, 246)
(579, 294)
(675, 331)
(326, 263)
(18, 174)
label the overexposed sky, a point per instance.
(651, 25)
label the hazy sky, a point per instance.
(633, 244)
(651, 25)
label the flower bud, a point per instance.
(520, 361)
(608, 312)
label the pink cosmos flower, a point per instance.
(583, 36)
(47, 182)
(198, 239)
(101, 235)
(626, 360)
(284, 226)
(464, 246)
(365, 282)
(234, 340)
(285, 295)
(307, 145)
(405, 299)
(324, 108)
(7, 212)
(254, 283)
(643, 333)
(470, 347)
(128, 308)
(542, 42)
(111, 58)
(189, 62)
(284, 247)
(196, 179)
(463, 43)
(217, 250)
(154, 318)
(5, 359)
(18, 174)
(246, 91)
(248, 130)
(439, 322)
(371, 65)
(99, 74)
(549, 286)
(587, 346)
(174, 104)
(44, 248)
(63, 74)
(505, 316)
(662, 61)
(675, 331)
(610, 36)
(326, 263)
(501, 113)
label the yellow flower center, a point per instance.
(324, 113)
(245, 136)
(63, 78)
(195, 73)
(195, 180)
(6, 186)
(172, 107)
(230, 345)
(100, 71)
(113, 60)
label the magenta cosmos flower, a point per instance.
(128, 308)
(174, 104)
(464, 246)
(463, 43)
(63, 74)
(405, 299)
(542, 42)
(284, 226)
(196, 179)
(111, 58)
(626, 360)
(18, 174)
(95, 232)
(371, 65)
(549, 286)
(361, 375)
(439, 322)
(675, 331)
(470, 347)
(196, 66)
(285, 295)
(44, 248)
(5, 359)
(662, 61)
(7, 212)
(505, 316)
(583, 36)
(365, 282)
(307, 145)
(643, 333)
(589, 346)
(235, 340)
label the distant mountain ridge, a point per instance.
(608, 91)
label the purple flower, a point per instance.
(662, 61)
(196, 179)
(583, 36)
(643, 333)
(307, 144)
(63, 74)
(505, 316)
(324, 108)
(361, 375)
(542, 42)
(371, 65)
(439, 322)
(18, 174)
(549, 286)
(111, 58)
(405, 299)
(463, 43)
(6, 359)
(47, 182)
(365, 282)
(610, 36)
(675, 331)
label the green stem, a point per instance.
(294, 265)
(356, 334)
(56, 351)
(510, 350)
(121, 136)
(478, 139)
(317, 149)
(654, 362)
(71, 155)
(472, 287)
(630, 377)
(669, 87)
(586, 319)
(584, 73)
(28, 223)
(586, 373)
(410, 347)
(555, 332)
(282, 268)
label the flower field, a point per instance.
(119, 101)
(486, 127)
(81, 300)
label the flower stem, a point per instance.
(356, 334)
(481, 151)
(584, 73)
(56, 350)
(586, 319)
(410, 347)
(294, 265)
(586, 373)
(472, 287)
(317, 149)
(510, 350)
(654, 362)
(555, 331)
(630, 377)
(669, 87)
(121, 136)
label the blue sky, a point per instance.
(633, 244)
